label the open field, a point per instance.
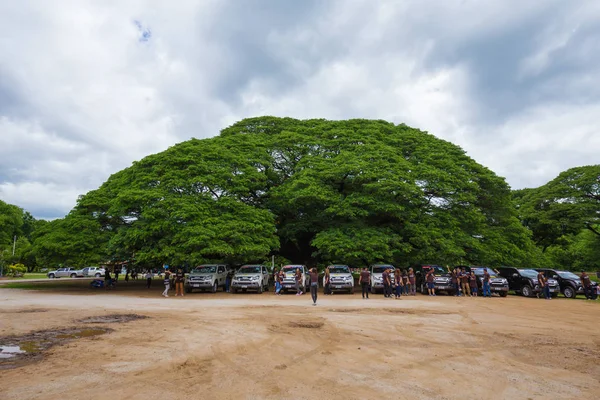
(253, 346)
(30, 275)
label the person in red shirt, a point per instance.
(429, 278)
(364, 281)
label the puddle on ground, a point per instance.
(112, 319)
(16, 351)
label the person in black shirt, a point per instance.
(107, 279)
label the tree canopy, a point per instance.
(356, 191)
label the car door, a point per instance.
(62, 272)
(221, 275)
(265, 276)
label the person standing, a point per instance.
(298, 278)
(473, 284)
(107, 279)
(179, 279)
(278, 282)
(363, 281)
(385, 277)
(486, 283)
(167, 283)
(542, 285)
(117, 271)
(404, 282)
(429, 278)
(464, 277)
(327, 282)
(454, 278)
(586, 282)
(398, 283)
(412, 281)
(314, 285)
(148, 279)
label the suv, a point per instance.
(289, 280)
(205, 277)
(570, 284)
(442, 279)
(525, 282)
(498, 284)
(65, 272)
(341, 278)
(250, 277)
(93, 271)
(377, 276)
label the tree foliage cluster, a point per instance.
(564, 218)
(15, 222)
(308, 191)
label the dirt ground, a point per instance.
(249, 346)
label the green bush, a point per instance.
(16, 270)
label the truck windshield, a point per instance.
(249, 270)
(529, 273)
(479, 272)
(207, 269)
(339, 269)
(292, 268)
(567, 275)
(437, 270)
(378, 269)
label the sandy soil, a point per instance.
(248, 346)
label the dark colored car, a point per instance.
(570, 284)
(442, 279)
(525, 282)
(498, 284)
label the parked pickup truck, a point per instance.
(525, 282)
(377, 276)
(65, 273)
(251, 277)
(93, 271)
(570, 284)
(498, 284)
(289, 281)
(341, 278)
(206, 277)
(442, 280)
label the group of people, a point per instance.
(465, 283)
(404, 283)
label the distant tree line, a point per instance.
(314, 192)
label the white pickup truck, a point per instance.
(251, 277)
(206, 277)
(65, 273)
(289, 279)
(340, 278)
(93, 271)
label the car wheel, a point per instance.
(51, 276)
(260, 288)
(215, 287)
(526, 291)
(97, 275)
(73, 275)
(569, 292)
(503, 294)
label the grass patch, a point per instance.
(33, 275)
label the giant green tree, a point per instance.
(356, 191)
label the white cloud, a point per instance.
(82, 97)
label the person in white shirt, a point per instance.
(148, 279)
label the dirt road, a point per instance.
(222, 346)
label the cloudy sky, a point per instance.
(87, 87)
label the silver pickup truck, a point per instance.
(206, 277)
(289, 279)
(65, 273)
(377, 276)
(341, 278)
(251, 277)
